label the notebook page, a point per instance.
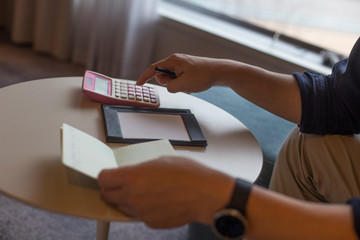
(85, 153)
(142, 152)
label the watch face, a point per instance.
(230, 226)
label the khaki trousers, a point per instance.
(321, 168)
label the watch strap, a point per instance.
(240, 195)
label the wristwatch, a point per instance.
(231, 223)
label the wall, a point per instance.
(174, 37)
(3, 8)
(5, 13)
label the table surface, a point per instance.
(30, 153)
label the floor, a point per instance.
(19, 63)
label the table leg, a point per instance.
(102, 230)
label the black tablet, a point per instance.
(125, 124)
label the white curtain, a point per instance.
(114, 37)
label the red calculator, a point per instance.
(109, 90)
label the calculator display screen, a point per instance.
(101, 85)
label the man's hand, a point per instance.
(194, 74)
(167, 192)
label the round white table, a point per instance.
(30, 155)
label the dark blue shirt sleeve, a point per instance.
(331, 104)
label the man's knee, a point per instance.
(318, 167)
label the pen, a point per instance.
(167, 72)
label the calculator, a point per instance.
(109, 90)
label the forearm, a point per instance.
(277, 93)
(273, 216)
(193, 192)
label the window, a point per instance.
(329, 24)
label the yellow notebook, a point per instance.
(89, 156)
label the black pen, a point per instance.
(167, 72)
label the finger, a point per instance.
(163, 79)
(112, 178)
(127, 211)
(177, 85)
(114, 196)
(168, 63)
(105, 179)
(124, 208)
(118, 198)
(146, 76)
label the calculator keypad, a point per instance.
(129, 91)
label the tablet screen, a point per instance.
(152, 126)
